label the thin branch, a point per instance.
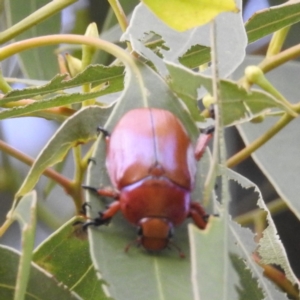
(50, 173)
(248, 150)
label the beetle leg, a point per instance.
(107, 192)
(199, 215)
(104, 131)
(181, 254)
(104, 217)
(203, 140)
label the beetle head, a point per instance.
(155, 233)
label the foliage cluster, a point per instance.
(168, 63)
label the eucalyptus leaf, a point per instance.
(181, 15)
(47, 288)
(215, 262)
(57, 101)
(230, 259)
(269, 20)
(239, 105)
(270, 248)
(231, 39)
(80, 128)
(65, 254)
(95, 75)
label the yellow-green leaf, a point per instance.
(182, 15)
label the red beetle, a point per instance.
(152, 164)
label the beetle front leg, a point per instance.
(198, 214)
(105, 132)
(104, 217)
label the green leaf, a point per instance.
(49, 103)
(226, 264)
(95, 75)
(41, 285)
(59, 255)
(25, 213)
(45, 62)
(271, 249)
(271, 19)
(183, 15)
(138, 274)
(223, 253)
(173, 45)
(216, 264)
(238, 103)
(80, 128)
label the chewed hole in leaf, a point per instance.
(155, 42)
(271, 249)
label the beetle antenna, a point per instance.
(180, 252)
(137, 242)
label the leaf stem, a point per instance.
(121, 17)
(248, 150)
(218, 136)
(33, 19)
(50, 173)
(4, 86)
(277, 41)
(119, 13)
(79, 171)
(267, 65)
(272, 62)
(255, 75)
(275, 206)
(279, 278)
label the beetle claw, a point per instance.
(96, 222)
(101, 221)
(103, 130)
(83, 208)
(208, 130)
(77, 223)
(90, 188)
(212, 111)
(92, 159)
